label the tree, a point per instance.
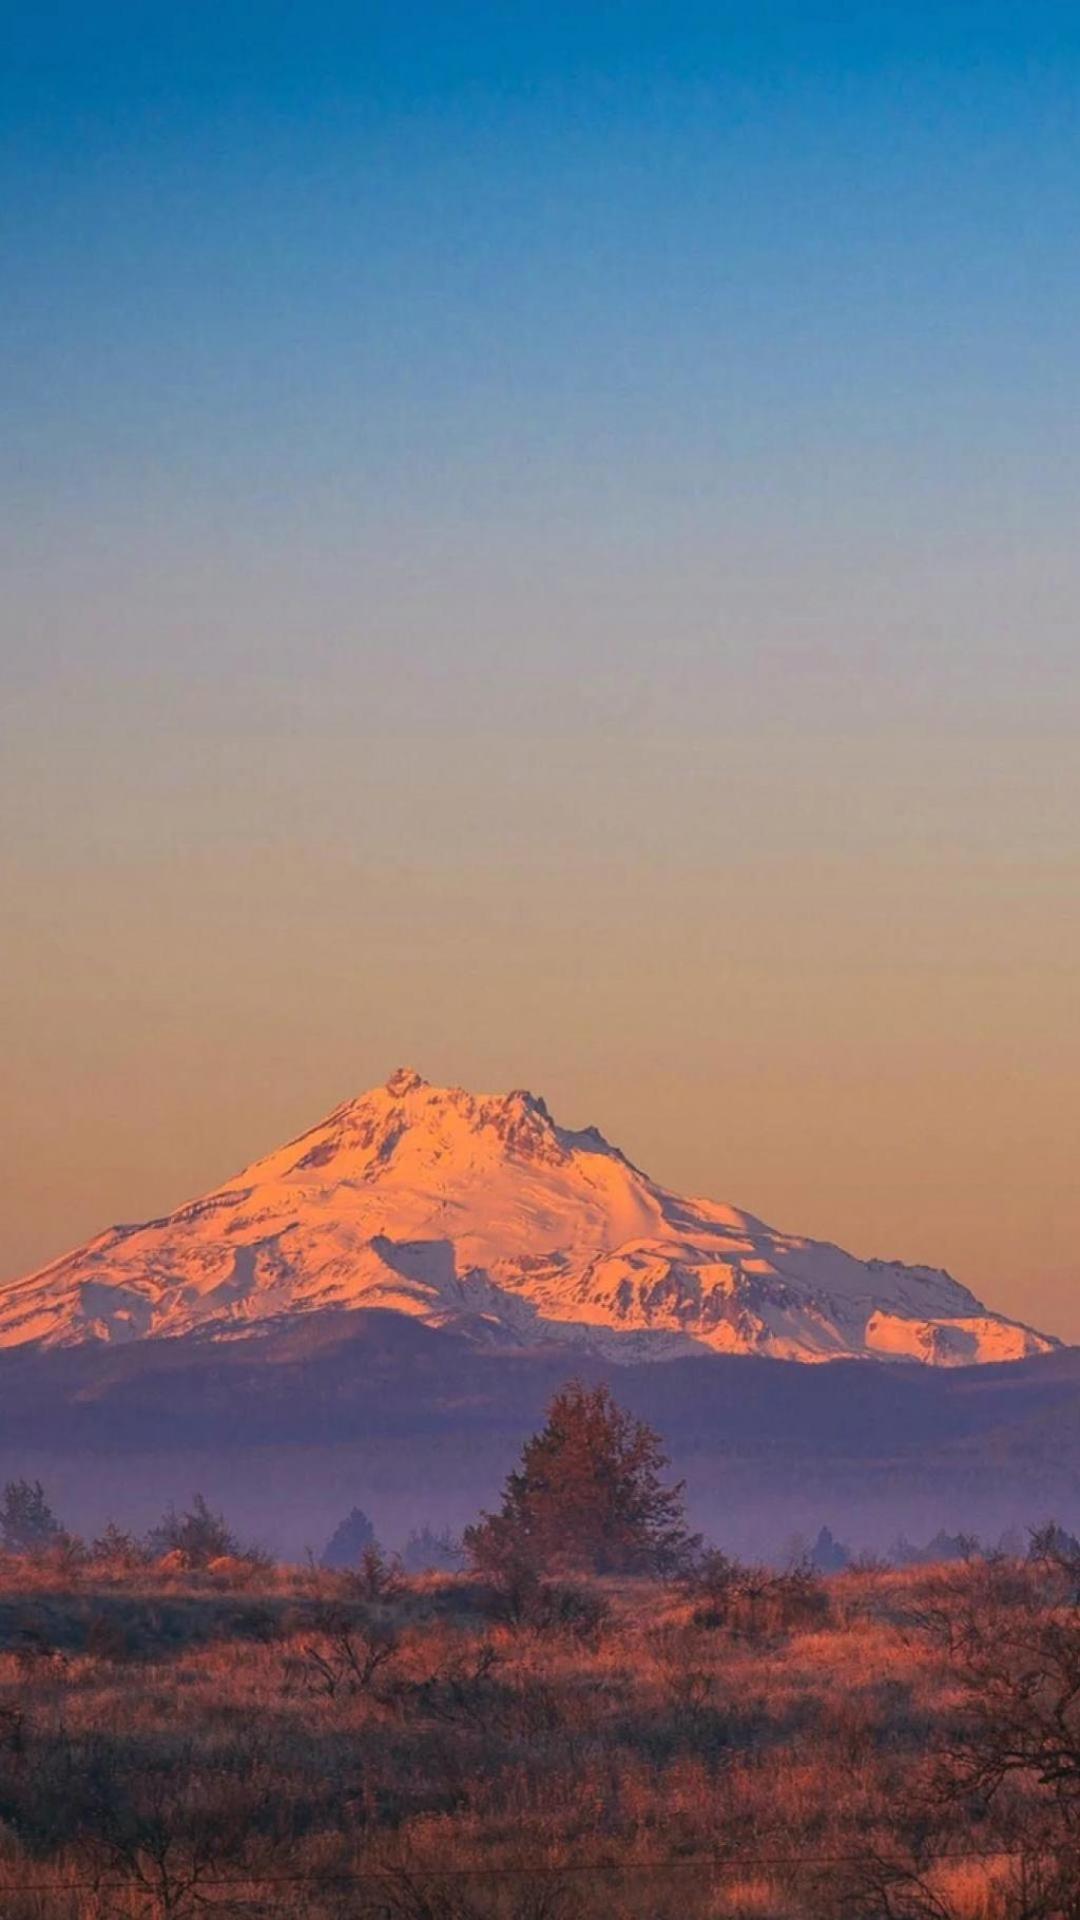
(350, 1537)
(1051, 1546)
(828, 1554)
(427, 1551)
(200, 1535)
(27, 1522)
(588, 1496)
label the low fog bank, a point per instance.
(285, 1433)
(288, 1499)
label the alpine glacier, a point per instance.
(480, 1214)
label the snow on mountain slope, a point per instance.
(479, 1213)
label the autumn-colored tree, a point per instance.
(587, 1497)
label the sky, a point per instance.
(540, 542)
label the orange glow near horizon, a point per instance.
(847, 1020)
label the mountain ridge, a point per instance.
(480, 1213)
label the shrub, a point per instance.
(198, 1536)
(117, 1548)
(1050, 1547)
(350, 1653)
(559, 1607)
(377, 1577)
(521, 1599)
(756, 1602)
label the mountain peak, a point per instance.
(479, 1211)
(405, 1080)
(408, 1124)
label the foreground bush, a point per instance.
(756, 1602)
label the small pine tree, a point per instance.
(828, 1554)
(200, 1535)
(27, 1522)
(349, 1540)
(587, 1497)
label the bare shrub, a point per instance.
(119, 1549)
(459, 1689)
(350, 1653)
(548, 1607)
(378, 1577)
(756, 1602)
(144, 1819)
(1015, 1649)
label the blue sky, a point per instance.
(761, 282)
(511, 253)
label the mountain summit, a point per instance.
(479, 1213)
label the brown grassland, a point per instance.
(285, 1741)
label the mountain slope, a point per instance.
(478, 1213)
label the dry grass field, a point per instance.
(292, 1742)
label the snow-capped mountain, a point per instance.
(478, 1213)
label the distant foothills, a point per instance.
(479, 1215)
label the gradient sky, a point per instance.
(541, 542)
